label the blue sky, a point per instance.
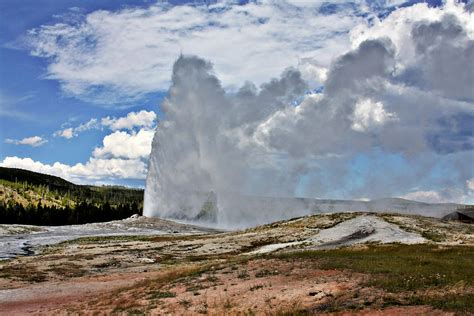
(38, 106)
(81, 80)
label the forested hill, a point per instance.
(36, 178)
(29, 197)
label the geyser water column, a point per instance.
(199, 163)
(185, 156)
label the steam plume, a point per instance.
(214, 148)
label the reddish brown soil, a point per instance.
(259, 286)
(189, 275)
(58, 295)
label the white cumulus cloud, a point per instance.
(93, 169)
(133, 119)
(121, 144)
(123, 154)
(67, 133)
(369, 114)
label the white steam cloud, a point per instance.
(405, 89)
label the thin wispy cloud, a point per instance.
(118, 57)
(133, 120)
(10, 106)
(33, 141)
(71, 132)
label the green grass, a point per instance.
(458, 302)
(398, 268)
(442, 277)
(433, 236)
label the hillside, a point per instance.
(36, 178)
(51, 188)
(28, 197)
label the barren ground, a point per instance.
(298, 266)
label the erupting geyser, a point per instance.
(198, 165)
(386, 118)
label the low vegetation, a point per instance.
(439, 276)
(22, 272)
(390, 276)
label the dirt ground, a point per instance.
(206, 274)
(260, 286)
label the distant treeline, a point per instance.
(82, 213)
(25, 179)
(40, 199)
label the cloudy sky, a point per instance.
(357, 99)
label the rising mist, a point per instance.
(403, 98)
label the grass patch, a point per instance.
(265, 272)
(185, 303)
(256, 244)
(397, 267)
(20, 229)
(256, 287)
(409, 270)
(460, 302)
(192, 237)
(212, 278)
(105, 240)
(128, 310)
(433, 236)
(22, 272)
(195, 288)
(161, 294)
(244, 275)
(111, 263)
(67, 270)
(152, 287)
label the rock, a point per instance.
(319, 294)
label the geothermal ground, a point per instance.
(354, 263)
